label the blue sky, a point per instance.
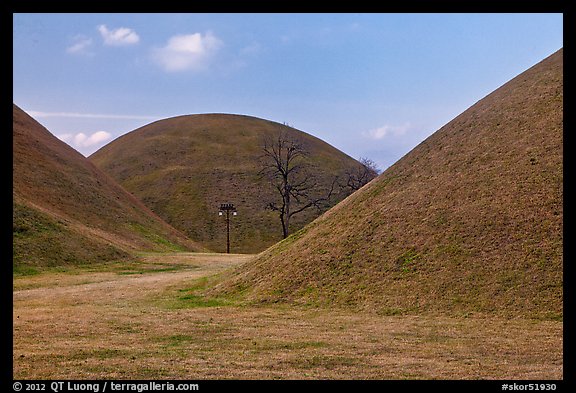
(372, 85)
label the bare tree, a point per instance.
(364, 173)
(284, 165)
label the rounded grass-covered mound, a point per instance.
(67, 212)
(471, 220)
(184, 167)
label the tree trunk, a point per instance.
(286, 221)
(284, 228)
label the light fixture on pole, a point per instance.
(227, 208)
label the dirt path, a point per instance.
(142, 322)
(154, 275)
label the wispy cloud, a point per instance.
(118, 37)
(39, 114)
(189, 52)
(80, 139)
(81, 46)
(386, 131)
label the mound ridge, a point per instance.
(469, 221)
(184, 167)
(67, 211)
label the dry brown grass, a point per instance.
(66, 211)
(145, 321)
(471, 220)
(184, 167)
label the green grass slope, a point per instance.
(67, 211)
(469, 221)
(184, 167)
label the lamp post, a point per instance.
(227, 207)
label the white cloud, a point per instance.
(387, 130)
(80, 139)
(81, 46)
(118, 37)
(190, 52)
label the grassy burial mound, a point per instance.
(67, 211)
(471, 220)
(184, 167)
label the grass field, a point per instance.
(146, 320)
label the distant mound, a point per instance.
(184, 167)
(471, 220)
(67, 211)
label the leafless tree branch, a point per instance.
(293, 179)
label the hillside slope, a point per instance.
(67, 211)
(471, 220)
(184, 167)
